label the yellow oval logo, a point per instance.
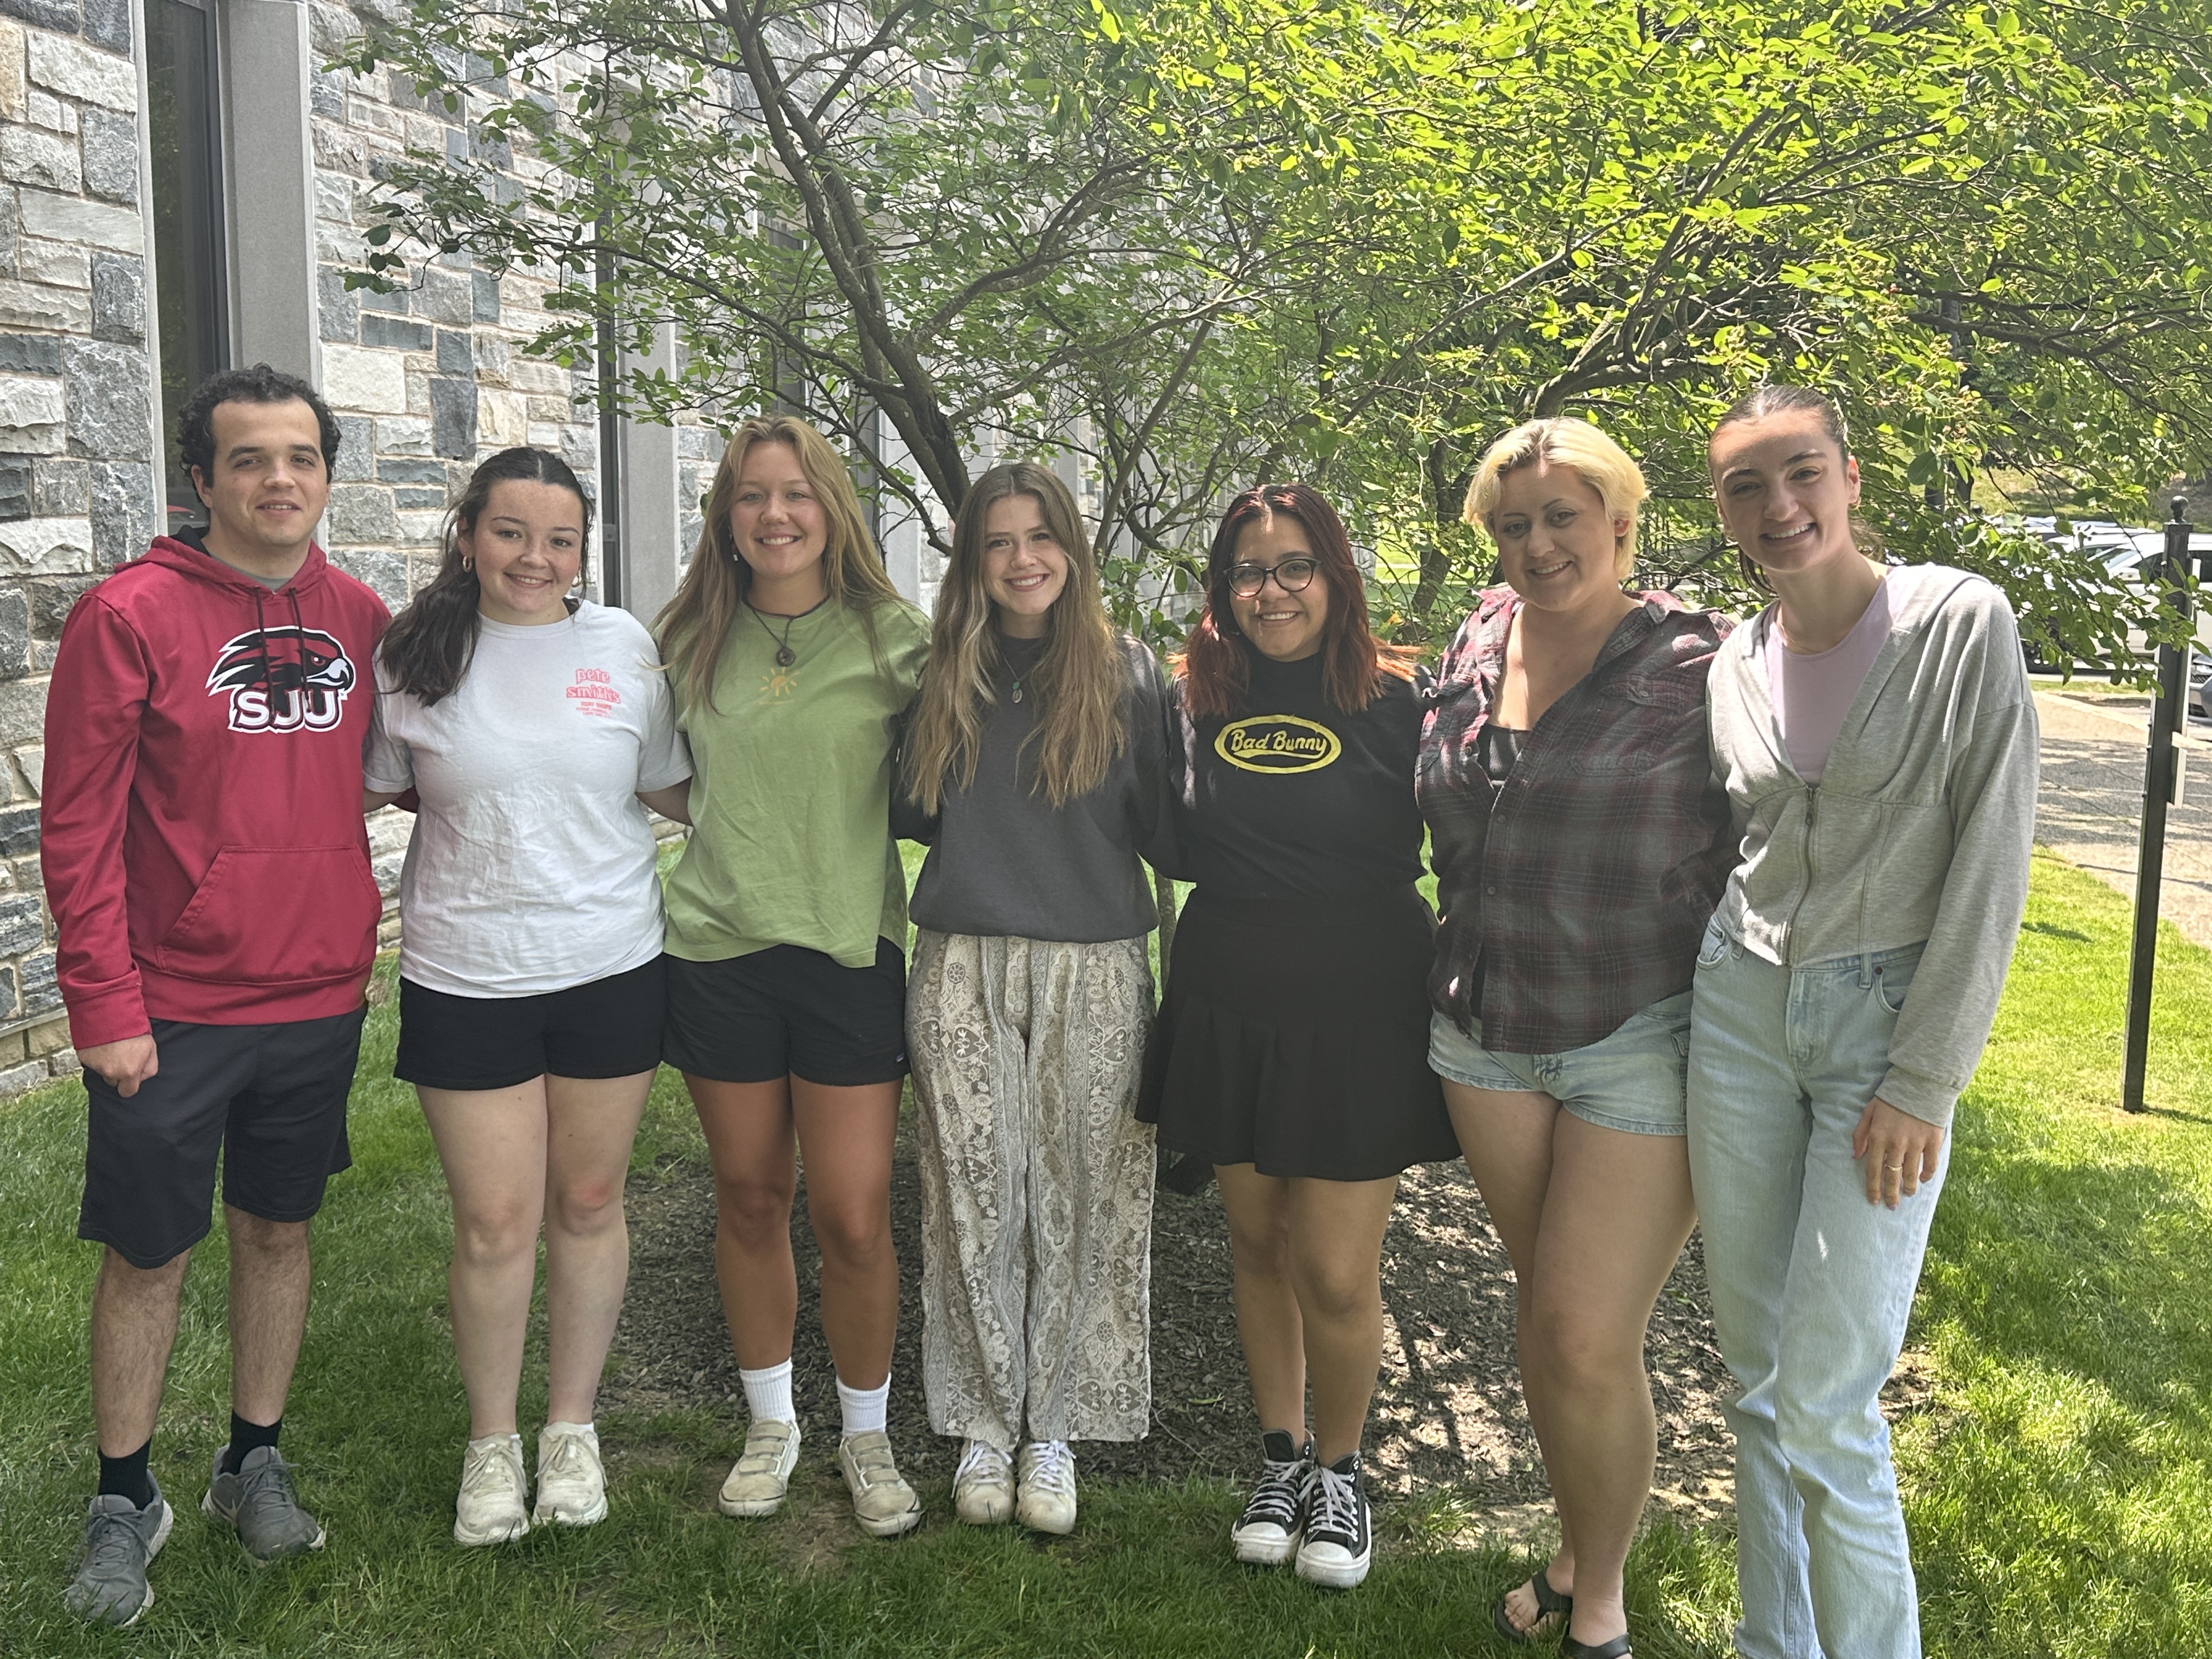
(1277, 743)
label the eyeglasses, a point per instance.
(1291, 575)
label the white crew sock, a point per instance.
(768, 1392)
(864, 1408)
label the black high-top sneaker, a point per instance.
(1266, 1534)
(1339, 1530)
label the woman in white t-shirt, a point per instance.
(535, 728)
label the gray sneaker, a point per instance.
(109, 1585)
(259, 1504)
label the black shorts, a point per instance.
(271, 1099)
(606, 1027)
(788, 1011)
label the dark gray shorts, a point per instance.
(269, 1100)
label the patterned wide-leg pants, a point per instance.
(1036, 1187)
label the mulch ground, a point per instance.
(1448, 1410)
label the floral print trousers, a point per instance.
(1037, 1186)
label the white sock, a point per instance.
(572, 1428)
(768, 1392)
(864, 1408)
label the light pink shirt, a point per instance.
(1813, 690)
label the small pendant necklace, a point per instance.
(785, 656)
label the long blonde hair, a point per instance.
(694, 625)
(1080, 681)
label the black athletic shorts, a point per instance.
(271, 1099)
(788, 1011)
(606, 1027)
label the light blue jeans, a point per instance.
(1811, 1287)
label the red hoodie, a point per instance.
(205, 855)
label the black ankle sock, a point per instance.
(246, 1438)
(126, 1477)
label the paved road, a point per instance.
(2090, 810)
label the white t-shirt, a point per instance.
(531, 867)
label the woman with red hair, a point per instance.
(1290, 1052)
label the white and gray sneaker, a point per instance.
(572, 1483)
(1046, 1502)
(1339, 1540)
(493, 1505)
(1266, 1534)
(257, 1501)
(983, 1485)
(762, 1474)
(107, 1586)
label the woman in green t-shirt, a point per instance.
(791, 657)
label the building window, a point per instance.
(183, 129)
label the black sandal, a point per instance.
(1613, 1650)
(1549, 1602)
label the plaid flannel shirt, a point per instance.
(1583, 884)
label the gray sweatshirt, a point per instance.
(1004, 861)
(1919, 830)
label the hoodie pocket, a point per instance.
(277, 916)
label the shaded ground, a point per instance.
(1447, 1411)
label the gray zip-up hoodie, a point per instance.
(1920, 828)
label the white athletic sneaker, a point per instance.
(763, 1474)
(572, 1484)
(1048, 1487)
(983, 1485)
(494, 1502)
(883, 1503)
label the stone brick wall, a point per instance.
(77, 486)
(428, 380)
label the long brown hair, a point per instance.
(428, 647)
(1217, 666)
(1080, 681)
(694, 625)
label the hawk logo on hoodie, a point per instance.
(284, 679)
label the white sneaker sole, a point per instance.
(1335, 1575)
(891, 1526)
(1263, 1549)
(995, 1511)
(472, 1538)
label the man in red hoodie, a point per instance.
(208, 869)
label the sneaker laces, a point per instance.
(489, 1463)
(569, 1460)
(984, 1458)
(1051, 1464)
(268, 1488)
(109, 1540)
(1275, 1496)
(1335, 1500)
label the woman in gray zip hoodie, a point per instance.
(1875, 732)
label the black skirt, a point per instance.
(1295, 1037)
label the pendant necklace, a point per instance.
(1017, 688)
(785, 656)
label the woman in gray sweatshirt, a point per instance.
(1875, 732)
(1036, 768)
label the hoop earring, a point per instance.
(468, 565)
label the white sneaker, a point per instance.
(1048, 1487)
(883, 1503)
(763, 1474)
(572, 1484)
(494, 1502)
(984, 1486)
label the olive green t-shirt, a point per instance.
(791, 778)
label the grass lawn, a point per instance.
(2058, 1469)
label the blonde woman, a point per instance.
(1035, 771)
(1579, 844)
(790, 656)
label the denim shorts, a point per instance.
(1630, 1080)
